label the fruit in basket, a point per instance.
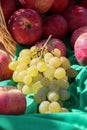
(12, 101)
(5, 72)
(55, 25)
(8, 7)
(76, 34)
(25, 25)
(80, 49)
(76, 17)
(39, 5)
(53, 44)
(58, 6)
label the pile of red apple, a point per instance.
(31, 22)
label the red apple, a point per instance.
(76, 17)
(83, 3)
(55, 25)
(58, 6)
(5, 72)
(76, 34)
(12, 101)
(8, 7)
(25, 25)
(80, 49)
(39, 5)
(53, 43)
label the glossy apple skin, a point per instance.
(12, 101)
(76, 34)
(25, 25)
(39, 5)
(76, 17)
(8, 7)
(58, 6)
(55, 25)
(52, 44)
(80, 49)
(5, 72)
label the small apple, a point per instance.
(76, 17)
(8, 7)
(52, 44)
(12, 100)
(80, 49)
(55, 25)
(76, 34)
(5, 72)
(58, 6)
(39, 5)
(25, 25)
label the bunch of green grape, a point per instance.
(43, 73)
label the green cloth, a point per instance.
(77, 104)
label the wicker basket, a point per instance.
(6, 40)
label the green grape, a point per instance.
(54, 107)
(24, 59)
(20, 85)
(35, 61)
(36, 86)
(71, 73)
(15, 76)
(44, 107)
(26, 89)
(53, 96)
(39, 97)
(55, 62)
(63, 83)
(27, 79)
(13, 65)
(64, 94)
(41, 66)
(25, 52)
(21, 75)
(59, 73)
(64, 109)
(43, 90)
(47, 56)
(21, 67)
(45, 82)
(38, 77)
(54, 86)
(56, 52)
(32, 71)
(65, 63)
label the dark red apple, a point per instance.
(41, 6)
(58, 6)
(80, 49)
(55, 25)
(8, 7)
(5, 72)
(52, 44)
(12, 101)
(76, 17)
(76, 34)
(25, 25)
(83, 3)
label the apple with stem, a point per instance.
(12, 101)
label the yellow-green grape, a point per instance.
(35, 61)
(56, 52)
(43, 90)
(26, 89)
(47, 56)
(39, 97)
(27, 79)
(24, 59)
(64, 94)
(25, 52)
(21, 75)
(44, 107)
(64, 109)
(59, 73)
(36, 86)
(41, 66)
(54, 107)
(49, 73)
(37, 78)
(13, 65)
(55, 62)
(53, 96)
(15, 76)
(20, 85)
(21, 67)
(54, 86)
(71, 73)
(45, 82)
(63, 83)
(65, 63)
(32, 71)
